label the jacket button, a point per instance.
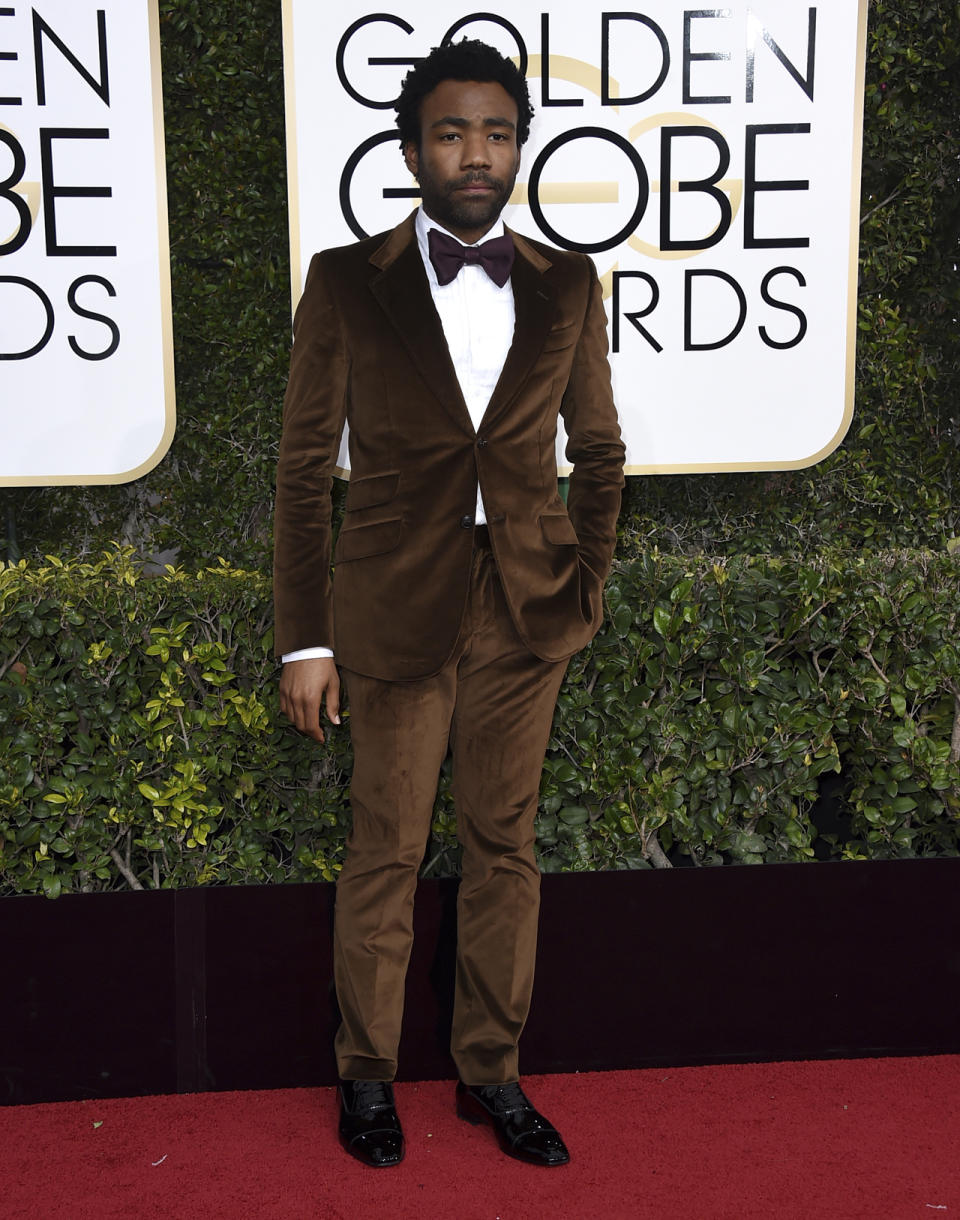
(466, 523)
(481, 442)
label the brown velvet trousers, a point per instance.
(492, 704)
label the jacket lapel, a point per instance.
(534, 303)
(402, 289)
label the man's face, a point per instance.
(468, 157)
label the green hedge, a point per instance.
(140, 739)
(141, 743)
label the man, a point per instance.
(462, 583)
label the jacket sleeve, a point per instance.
(314, 410)
(594, 447)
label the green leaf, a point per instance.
(903, 804)
(574, 815)
(622, 619)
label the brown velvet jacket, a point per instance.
(369, 349)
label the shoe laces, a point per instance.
(371, 1094)
(509, 1097)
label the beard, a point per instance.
(454, 212)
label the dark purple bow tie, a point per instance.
(448, 256)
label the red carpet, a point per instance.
(869, 1137)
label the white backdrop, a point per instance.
(86, 353)
(739, 273)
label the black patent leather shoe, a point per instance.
(520, 1130)
(369, 1127)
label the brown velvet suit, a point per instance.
(437, 640)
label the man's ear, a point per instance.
(411, 157)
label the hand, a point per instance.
(305, 686)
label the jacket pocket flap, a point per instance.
(558, 529)
(372, 489)
(361, 541)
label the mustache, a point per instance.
(478, 178)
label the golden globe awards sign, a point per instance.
(86, 363)
(706, 158)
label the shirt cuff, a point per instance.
(306, 654)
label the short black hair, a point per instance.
(468, 59)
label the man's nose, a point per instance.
(476, 151)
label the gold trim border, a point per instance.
(166, 296)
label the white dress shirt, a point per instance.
(478, 320)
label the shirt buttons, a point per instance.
(466, 523)
(481, 442)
